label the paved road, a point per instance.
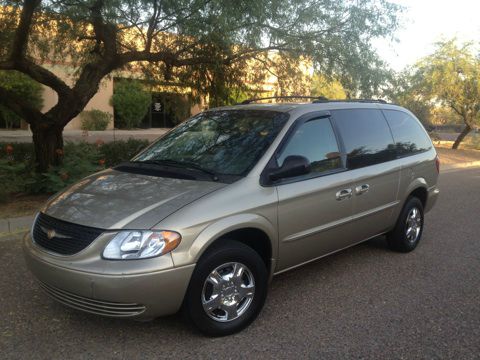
(363, 303)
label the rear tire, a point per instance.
(218, 302)
(409, 227)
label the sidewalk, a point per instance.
(88, 136)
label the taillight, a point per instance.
(437, 163)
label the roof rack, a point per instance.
(249, 101)
(325, 100)
(316, 99)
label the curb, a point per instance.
(11, 226)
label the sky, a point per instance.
(426, 21)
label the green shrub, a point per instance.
(130, 102)
(17, 152)
(22, 86)
(12, 178)
(95, 119)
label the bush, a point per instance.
(130, 102)
(12, 177)
(17, 152)
(95, 119)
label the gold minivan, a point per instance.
(206, 215)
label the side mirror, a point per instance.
(293, 165)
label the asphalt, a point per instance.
(362, 303)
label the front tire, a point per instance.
(227, 290)
(409, 228)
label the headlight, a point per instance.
(141, 244)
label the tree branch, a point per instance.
(104, 33)
(22, 33)
(38, 73)
(20, 107)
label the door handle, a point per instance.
(344, 194)
(359, 190)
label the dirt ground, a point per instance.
(450, 157)
(22, 205)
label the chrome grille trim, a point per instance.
(95, 306)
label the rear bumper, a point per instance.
(139, 296)
(432, 197)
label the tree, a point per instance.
(407, 89)
(22, 86)
(100, 36)
(451, 76)
(329, 88)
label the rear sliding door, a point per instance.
(370, 152)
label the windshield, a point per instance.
(227, 142)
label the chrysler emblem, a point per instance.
(51, 233)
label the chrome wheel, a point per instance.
(413, 225)
(228, 292)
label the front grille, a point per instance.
(68, 238)
(99, 307)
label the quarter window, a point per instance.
(366, 137)
(316, 141)
(407, 132)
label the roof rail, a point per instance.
(315, 98)
(325, 100)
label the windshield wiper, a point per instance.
(180, 164)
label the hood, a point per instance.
(114, 200)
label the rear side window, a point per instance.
(316, 141)
(407, 132)
(366, 136)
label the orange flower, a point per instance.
(59, 152)
(9, 149)
(64, 176)
(99, 142)
(101, 162)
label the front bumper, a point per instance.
(141, 296)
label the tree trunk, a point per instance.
(48, 144)
(461, 136)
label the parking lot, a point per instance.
(365, 302)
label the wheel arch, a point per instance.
(419, 189)
(252, 230)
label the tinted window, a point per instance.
(407, 132)
(316, 141)
(366, 137)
